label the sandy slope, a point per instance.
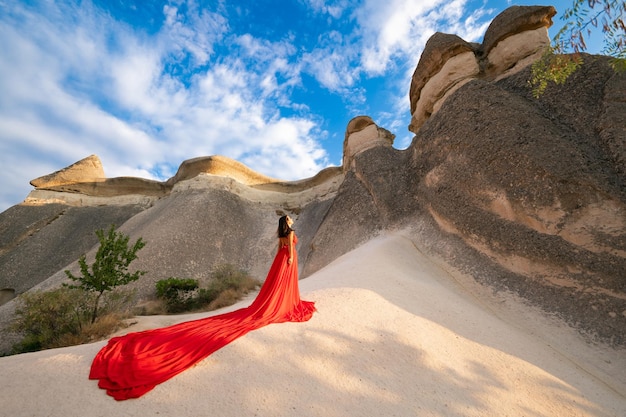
(395, 335)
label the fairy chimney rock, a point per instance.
(362, 134)
(515, 39)
(86, 170)
(446, 64)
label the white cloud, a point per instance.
(194, 31)
(271, 61)
(331, 69)
(135, 77)
(334, 63)
(468, 25)
(286, 141)
(334, 9)
(143, 119)
(386, 41)
(401, 28)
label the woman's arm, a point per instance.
(290, 238)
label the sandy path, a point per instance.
(395, 335)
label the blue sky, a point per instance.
(146, 84)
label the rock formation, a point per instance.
(77, 185)
(362, 134)
(514, 39)
(86, 170)
(525, 195)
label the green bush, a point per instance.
(178, 293)
(110, 268)
(45, 317)
(62, 317)
(226, 286)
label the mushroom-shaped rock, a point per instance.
(515, 38)
(438, 50)
(361, 134)
(86, 170)
(446, 64)
(514, 20)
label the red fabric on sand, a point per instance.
(131, 365)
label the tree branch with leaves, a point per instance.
(110, 268)
(581, 20)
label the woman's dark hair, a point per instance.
(283, 227)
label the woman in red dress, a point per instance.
(131, 365)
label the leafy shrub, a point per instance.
(62, 317)
(178, 293)
(227, 285)
(110, 268)
(44, 317)
(552, 68)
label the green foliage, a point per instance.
(178, 293)
(170, 287)
(551, 67)
(580, 20)
(45, 317)
(110, 268)
(618, 64)
(61, 317)
(227, 285)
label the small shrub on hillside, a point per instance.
(178, 293)
(230, 277)
(45, 317)
(224, 299)
(118, 302)
(62, 317)
(110, 268)
(227, 285)
(106, 324)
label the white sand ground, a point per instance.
(395, 335)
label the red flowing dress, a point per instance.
(131, 365)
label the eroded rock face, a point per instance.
(440, 48)
(86, 177)
(535, 190)
(39, 241)
(527, 195)
(515, 20)
(515, 39)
